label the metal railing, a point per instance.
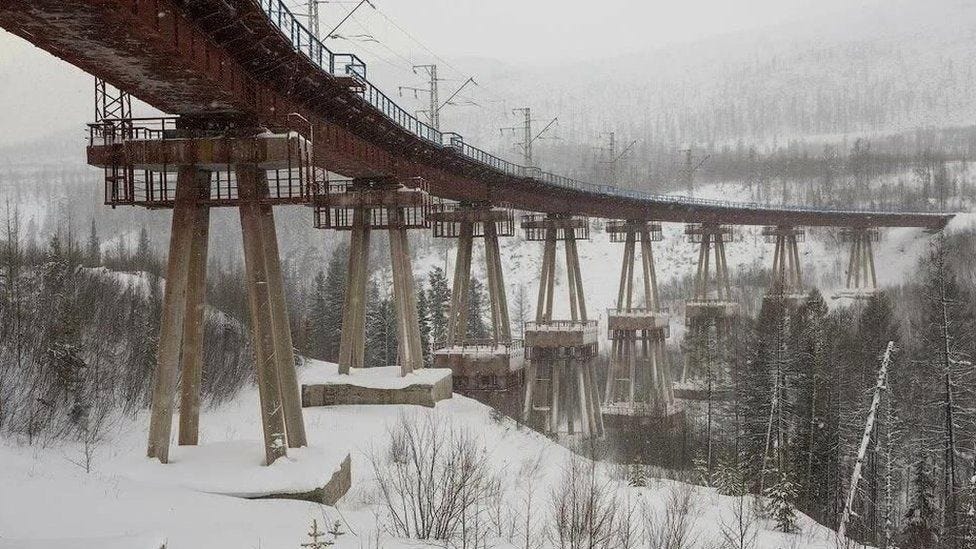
(349, 65)
(559, 325)
(480, 344)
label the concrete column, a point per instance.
(185, 209)
(869, 252)
(571, 281)
(405, 298)
(284, 350)
(576, 281)
(496, 285)
(457, 326)
(547, 282)
(594, 400)
(701, 275)
(530, 382)
(555, 394)
(651, 298)
(583, 404)
(249, 180)
(191, 353)
(352, 340)
(796, 262)
(722, 261)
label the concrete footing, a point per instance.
(374, 386)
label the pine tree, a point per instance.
(812, 445)
(947, 334)
(782, 495)
(334, 296)
(143, 258)
(423, 314)
(921, 527)
(381, 333)
(636, 474)
(703, 471)
(93, 248)
(318, 312)
(438, 302)
(477, 301)
(729, 477)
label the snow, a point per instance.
(127, 502)
(137, 281)
(236, 468)
(387, 377)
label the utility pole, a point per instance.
(527, 137)
(434, 114)
(313, 17)
(614, 157)
(690, 169)
(433, 110)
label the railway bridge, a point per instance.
(262, 114)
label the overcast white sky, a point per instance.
(529, 30)
(39, 94)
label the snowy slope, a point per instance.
(47, 499)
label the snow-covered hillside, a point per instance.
(48, 500)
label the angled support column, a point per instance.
(787, 275)
(284, 350)
(191, 353)
(487, 369)
(711, 308)
(185, 211)
(501, 325)
(861, 275)
(352, 343)
(405, 297)
(457, 325)
(560, 391)
(181, 326)
(638, 380)
(374, 205)
(250, 180)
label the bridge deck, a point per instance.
(250, 60)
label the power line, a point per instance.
(348, 15)
(527, 137)
(614, 157)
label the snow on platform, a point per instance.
(236, 468)
(323, 385)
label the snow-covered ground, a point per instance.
(48, 500)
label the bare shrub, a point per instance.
(585, 508)
(742, 530)
(433, 479)
(671, 527)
